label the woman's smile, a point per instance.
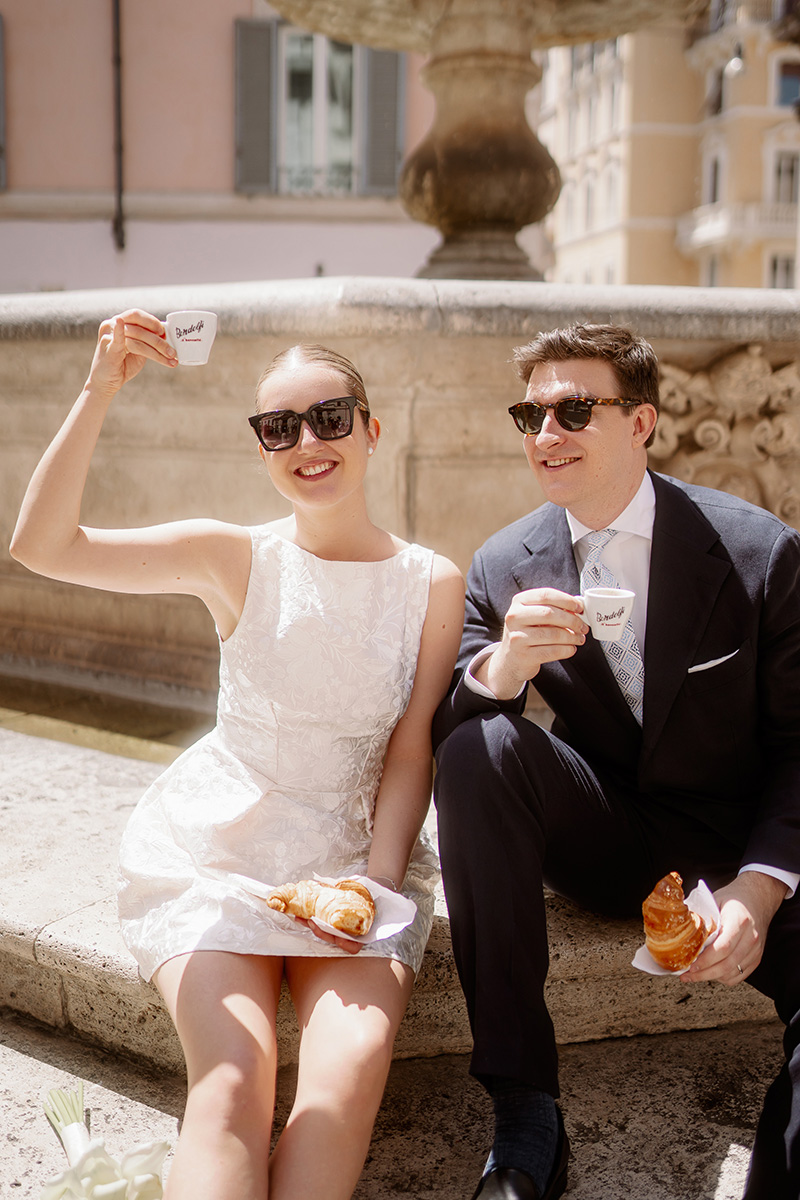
(311, 470)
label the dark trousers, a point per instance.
(518, 809)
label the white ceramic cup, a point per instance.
(191, 333)
(606, 611)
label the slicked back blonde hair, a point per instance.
(313, 355)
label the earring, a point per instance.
(370, 450)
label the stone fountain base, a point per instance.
(479, 254)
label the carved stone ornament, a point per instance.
(736, 427)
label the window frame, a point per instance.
(779, 62)
(780, 178)
(320, 125)
(373, 161)
(779, 264)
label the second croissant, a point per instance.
(673, 934)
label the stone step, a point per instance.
(668, 1117)
(62, 811)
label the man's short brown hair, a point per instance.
(632, 358)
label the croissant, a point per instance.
(673, 935)
(346, 905)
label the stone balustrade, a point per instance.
(449, 469)
(719, 224)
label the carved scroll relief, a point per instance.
(736, 427)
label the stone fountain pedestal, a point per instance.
(481, 174)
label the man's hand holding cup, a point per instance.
(542, 625)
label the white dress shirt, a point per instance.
(628, 555)
(628, 559)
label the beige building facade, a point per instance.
(679, 153)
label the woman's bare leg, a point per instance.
(224, 1007)
(349, 1012)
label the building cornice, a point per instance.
(662, 128)
(616, 230)
(197, 206)
(760, 112)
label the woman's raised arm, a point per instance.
(204, 558)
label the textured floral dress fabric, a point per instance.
(312, 682)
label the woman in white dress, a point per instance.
(337, 641)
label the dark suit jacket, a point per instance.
(722, 742)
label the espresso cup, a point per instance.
(191, 334)
(606, 611)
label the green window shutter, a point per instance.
(255, 106)
(382, 122)
(3, 182)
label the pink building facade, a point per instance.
(198, 140)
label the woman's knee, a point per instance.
(353, 1061)
(372, 1045)
(237, 1092)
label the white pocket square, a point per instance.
(712, 662)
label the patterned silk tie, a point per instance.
(623, 656)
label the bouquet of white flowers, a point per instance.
(92, 1173)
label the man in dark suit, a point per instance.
(678, 751)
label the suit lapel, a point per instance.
(685, 580)
(551, 563)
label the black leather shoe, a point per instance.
(507, 1183)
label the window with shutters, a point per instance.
(781, 271)
(788, 84)
(315, 116)
(785, 177)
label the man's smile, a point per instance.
(557, 462)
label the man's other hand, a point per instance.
(747, 905)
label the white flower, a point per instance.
(92, 1173)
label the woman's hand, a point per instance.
(209, 559)
(323, 935)
(124, 344)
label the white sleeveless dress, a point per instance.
(312, 683)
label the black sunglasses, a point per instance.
(572, 413)
(329, 420)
